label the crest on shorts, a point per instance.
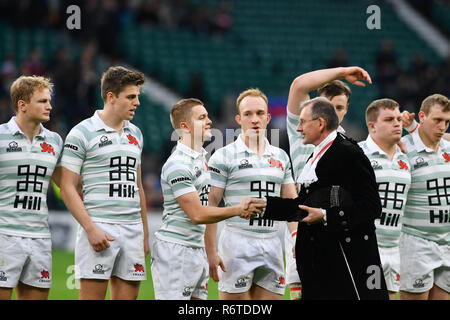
(98, 269)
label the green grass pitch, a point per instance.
(64, 283)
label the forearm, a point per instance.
(210, 239)
(144, 217)
(207, 214)
(76, 207)
(305, 83)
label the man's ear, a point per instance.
(371, 126)
(269, 117)
(21, 105)
(422, 116)
(184, 125)
(238, 119)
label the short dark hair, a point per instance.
(115, 79)
(322, 108)
(373, 110)
(333, 89)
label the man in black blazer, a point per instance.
(336, 250)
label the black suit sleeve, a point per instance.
(359, 180)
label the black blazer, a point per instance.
(336, 261)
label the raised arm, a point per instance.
(305, 83)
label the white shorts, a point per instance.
(179, 272)
(250, 259)
(422, 264)
(28, 260)
(390, 261)
(291, 265)
(125, 258)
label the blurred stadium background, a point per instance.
(212, 50)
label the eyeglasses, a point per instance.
(302, 122)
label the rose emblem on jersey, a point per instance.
(274, 163)
(446, 156)
(132, 140)
(45, 147)
(402, 164)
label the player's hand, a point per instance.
(98, 239)
(251, 207)
(215, 261)
(407, 118)
(315, 215)
(356, 76)
(402, 147)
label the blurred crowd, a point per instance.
(76, 93)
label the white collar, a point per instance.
(242, 147)
(14, 128)
(420, 146)
(189, 151)
(324, 142)
(373, 147)
(99, 124)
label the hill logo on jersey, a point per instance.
(104, 141)
(122, 170)
(274, 163)
(402, 165)
(46, 147)
(132, 140)
(3, 276)
(13, 147)
(28, 182)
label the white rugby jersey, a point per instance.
(185, 171)
(299, 152)
(25, 171)
(241, 173)
(107, 163)
(393, 179)
(427, 212)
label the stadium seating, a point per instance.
(247, 57)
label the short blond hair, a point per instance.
(435, 99)
(252, 92)
(181, 111)
(24, 87)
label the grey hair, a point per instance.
(323, 108)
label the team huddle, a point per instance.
(98, 168)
